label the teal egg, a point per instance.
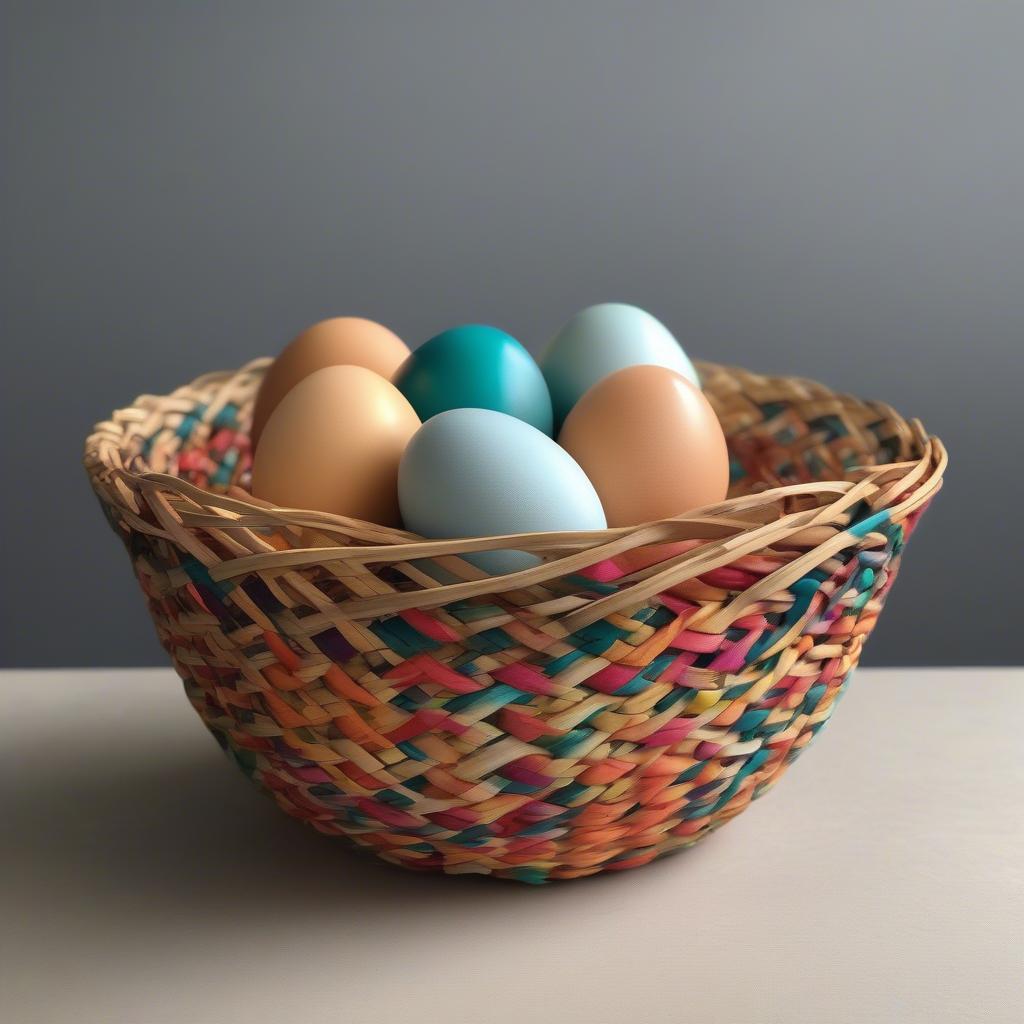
(475, 367)
(480, 473)
(598, 341)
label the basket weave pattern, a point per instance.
(621, 700)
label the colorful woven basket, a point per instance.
(621, 700)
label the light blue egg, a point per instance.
(480, 473)
(598, 341)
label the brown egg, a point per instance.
(650, 443)
(333, 444)
(342, 340)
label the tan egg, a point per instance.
(650, 443)
(340, 341)
(333, 444)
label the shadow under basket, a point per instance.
(620, 700)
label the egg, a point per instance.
(342, 340)
(650, 443)
(481, 473)
(475, 367)
(598, 341)
(334, 444)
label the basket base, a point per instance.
(535, 862)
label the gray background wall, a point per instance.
(831, 189)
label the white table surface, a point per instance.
(144, 880)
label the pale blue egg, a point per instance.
(598, 341)
(481, 473)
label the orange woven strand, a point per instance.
(619, 701)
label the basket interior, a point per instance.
(780, 430)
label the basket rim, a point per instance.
(738, 525)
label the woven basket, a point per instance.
(619, 701)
